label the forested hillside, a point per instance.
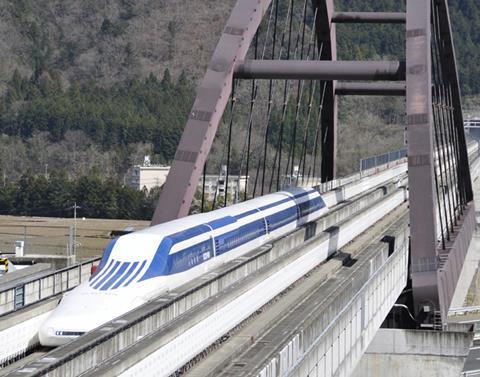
(465, 15)
(108, 41)
(92, 86)
(114, 41)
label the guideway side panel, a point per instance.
(338, 345)
(452, 254)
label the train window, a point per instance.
(242, 235)
(310, 206)
(189, 257)
(282, 218)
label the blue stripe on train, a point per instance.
(245, 214)
(114, 277)
(107, 275)
(282, 218)
(189, 257)
(95, 278)
(268, 206)
(220, 223)
(233, 239)
(310, 206)
(136, 274)
(127, 275)
(297, 194)
(105, 256)
(165, 263)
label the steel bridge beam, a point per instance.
(371, 89)
(369, 18)
(434, 269)
(327, 44)
(423, 229)
(320, 70)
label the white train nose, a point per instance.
(83, 310)
(46, 336)
(67, 323)
(50, 336)
(58, 330)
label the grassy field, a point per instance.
(44, 235)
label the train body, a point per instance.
(140, 266)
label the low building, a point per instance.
(215, 184)
(147, 176)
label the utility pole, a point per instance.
(75, 207)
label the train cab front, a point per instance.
(81, 311)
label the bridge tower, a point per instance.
(442, 215)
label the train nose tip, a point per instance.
(46, 336)
(54, 332)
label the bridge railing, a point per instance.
(464, 311)
(336, 183)
(48, 285)
(382, 159)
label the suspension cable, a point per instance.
(229, 147)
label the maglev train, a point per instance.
(142, 265)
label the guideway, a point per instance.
(176, 343)
(124, 333)
(323, 324)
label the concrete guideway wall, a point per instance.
(452, 260)
(333, 343)
(351, 181)
(19, 331)
(398, 166)
(44, 287)
(398, 353)
(12, 277)
(472, 259)
(475, 168)
(21, 318)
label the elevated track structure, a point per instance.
(354, 291)
(226, 299)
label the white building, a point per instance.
(147, 176)
(216, 184)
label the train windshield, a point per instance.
(105, 256)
